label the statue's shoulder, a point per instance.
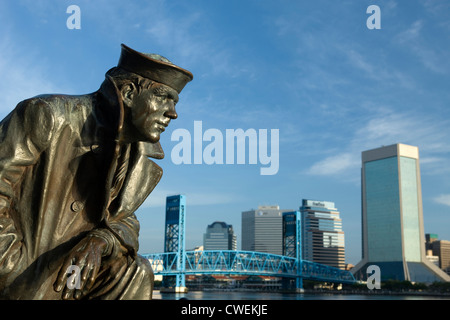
(60, 107)
(33, 112)
(60, 102)
(44, 115)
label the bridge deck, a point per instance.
(245, 263)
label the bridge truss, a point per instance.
(232, 262)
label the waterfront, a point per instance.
(257, 295)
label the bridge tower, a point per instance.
(292, 245)
(174, 240)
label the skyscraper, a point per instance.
(219, 236)
(262, 230)
(441, 249)
(322, 235)
(392, 217)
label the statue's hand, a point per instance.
(87, 256)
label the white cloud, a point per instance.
(334, 165)
(426, 132)
(432, 160)
(443, 199)
(411, 33)
(376, 69)
(415, 40)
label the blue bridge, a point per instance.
(245, 263)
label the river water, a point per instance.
(254, 295)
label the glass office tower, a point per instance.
(392, 218)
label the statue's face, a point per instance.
(152, 109)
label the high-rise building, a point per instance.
(219, 236)
(322, 235)
(441, 249)
(262, 230)
(392, 217)
(429, 239)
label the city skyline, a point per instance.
(299, 208)
(314, 71)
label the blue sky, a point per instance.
(311, 69)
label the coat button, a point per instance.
(76, 206)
